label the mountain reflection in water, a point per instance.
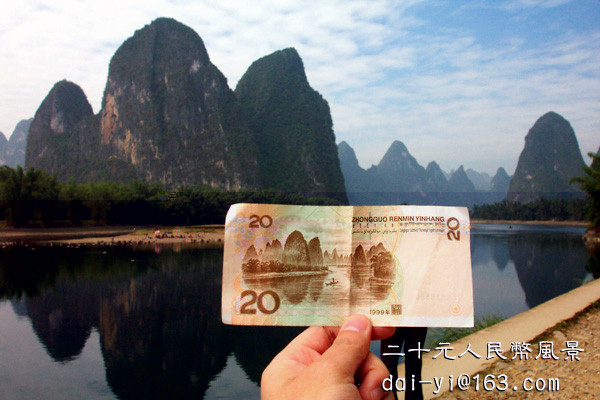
(158, 316)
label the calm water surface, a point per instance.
(116, 323)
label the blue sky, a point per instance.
(457, 82)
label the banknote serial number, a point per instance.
(260, 301)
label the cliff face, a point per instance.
(291, 125)
(168, 116)
(550, 158)
(169, 113)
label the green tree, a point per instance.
(28, 196)
(590, 182)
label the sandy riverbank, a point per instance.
(201, 235)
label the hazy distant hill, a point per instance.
(399, 178)
(397, 163)
(3, 144)
(355, 178)
(500, 181)
(436, 178)
(481, 180)
(12, 151)
(460, 182)
(550, 158)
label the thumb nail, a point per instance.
(357, 323)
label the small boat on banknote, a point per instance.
(332, 282)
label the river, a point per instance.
(144, 323)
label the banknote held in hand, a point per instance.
(316, 265)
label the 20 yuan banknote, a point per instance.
(315, 265)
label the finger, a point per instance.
(315, 340)
(371, 374)
(349, 348)
(309, 345)
(382, 332)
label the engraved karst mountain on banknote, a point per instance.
(315, 265)
(299, 269)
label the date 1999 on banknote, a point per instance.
(315, 265)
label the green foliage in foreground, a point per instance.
(36, 198)
(590, 182)
(542, 209)
(449, 335)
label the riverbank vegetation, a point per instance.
(34, 198)
(590, 183)
(542, 209)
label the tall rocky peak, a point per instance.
(459, 181)
(291, 125)
(500, 181)
(550, 158)
(53, 131)
(168, 111)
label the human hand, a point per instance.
(325, 362)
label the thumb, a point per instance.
(350, 347)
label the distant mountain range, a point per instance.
(168, 116)
(399, 178)
(550, 158)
